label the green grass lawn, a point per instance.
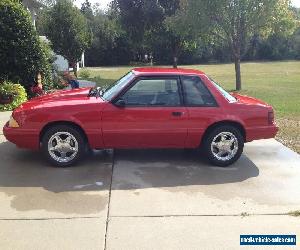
(277, 83)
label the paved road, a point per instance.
(138, 199)
(84, 84)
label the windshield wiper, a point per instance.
(96, 92)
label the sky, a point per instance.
(296, 3)
(104, 3)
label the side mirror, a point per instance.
(120, 103)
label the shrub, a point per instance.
(18, 93)
(22, 53)
(84, 73)
(57, 81)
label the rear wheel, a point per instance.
(223, 145)
(63, 145)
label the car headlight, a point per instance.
(13, 123)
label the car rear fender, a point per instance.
(231, 122)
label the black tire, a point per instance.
(209, 138)
(77, 134)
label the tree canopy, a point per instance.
(152, 25)
(190, 31)
(237, 21)
(67, 29)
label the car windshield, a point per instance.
(228, 96)
(115, 88)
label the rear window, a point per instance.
(228, 96)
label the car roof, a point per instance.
(166, 71)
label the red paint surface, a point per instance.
(108, 126)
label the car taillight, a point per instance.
(270, 117)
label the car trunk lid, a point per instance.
(249, 100)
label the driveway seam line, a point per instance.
(57, 218)
(143, 216)
(109, 198)
(198, 215)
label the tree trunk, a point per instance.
(238, 81)
(176, 50)
(75, 69)
(175, 62)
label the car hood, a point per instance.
(59, 98)
(249, 100)
(62, 94)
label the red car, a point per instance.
(146, 108)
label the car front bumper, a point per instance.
(23, 138)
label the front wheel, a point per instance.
(224, 145)
(63, 145)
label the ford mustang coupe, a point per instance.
(146, 108)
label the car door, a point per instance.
(153, 115)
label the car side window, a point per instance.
(153, 92)
(196, 93)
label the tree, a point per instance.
(86, 9)
(22, 53)
(67, 29)
(153, 24)
(136, 18)
(110, 44)
(32, 4)
(236, 21)
(176, 25)
(47, 3)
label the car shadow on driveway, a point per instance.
(22, 168)
(173, 168)
(32, 184)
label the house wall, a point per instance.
(61, 63)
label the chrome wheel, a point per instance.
(224, 146)
(63, 147)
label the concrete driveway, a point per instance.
(138, 199)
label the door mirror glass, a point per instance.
(120, 103)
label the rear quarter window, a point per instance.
(196, 94)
